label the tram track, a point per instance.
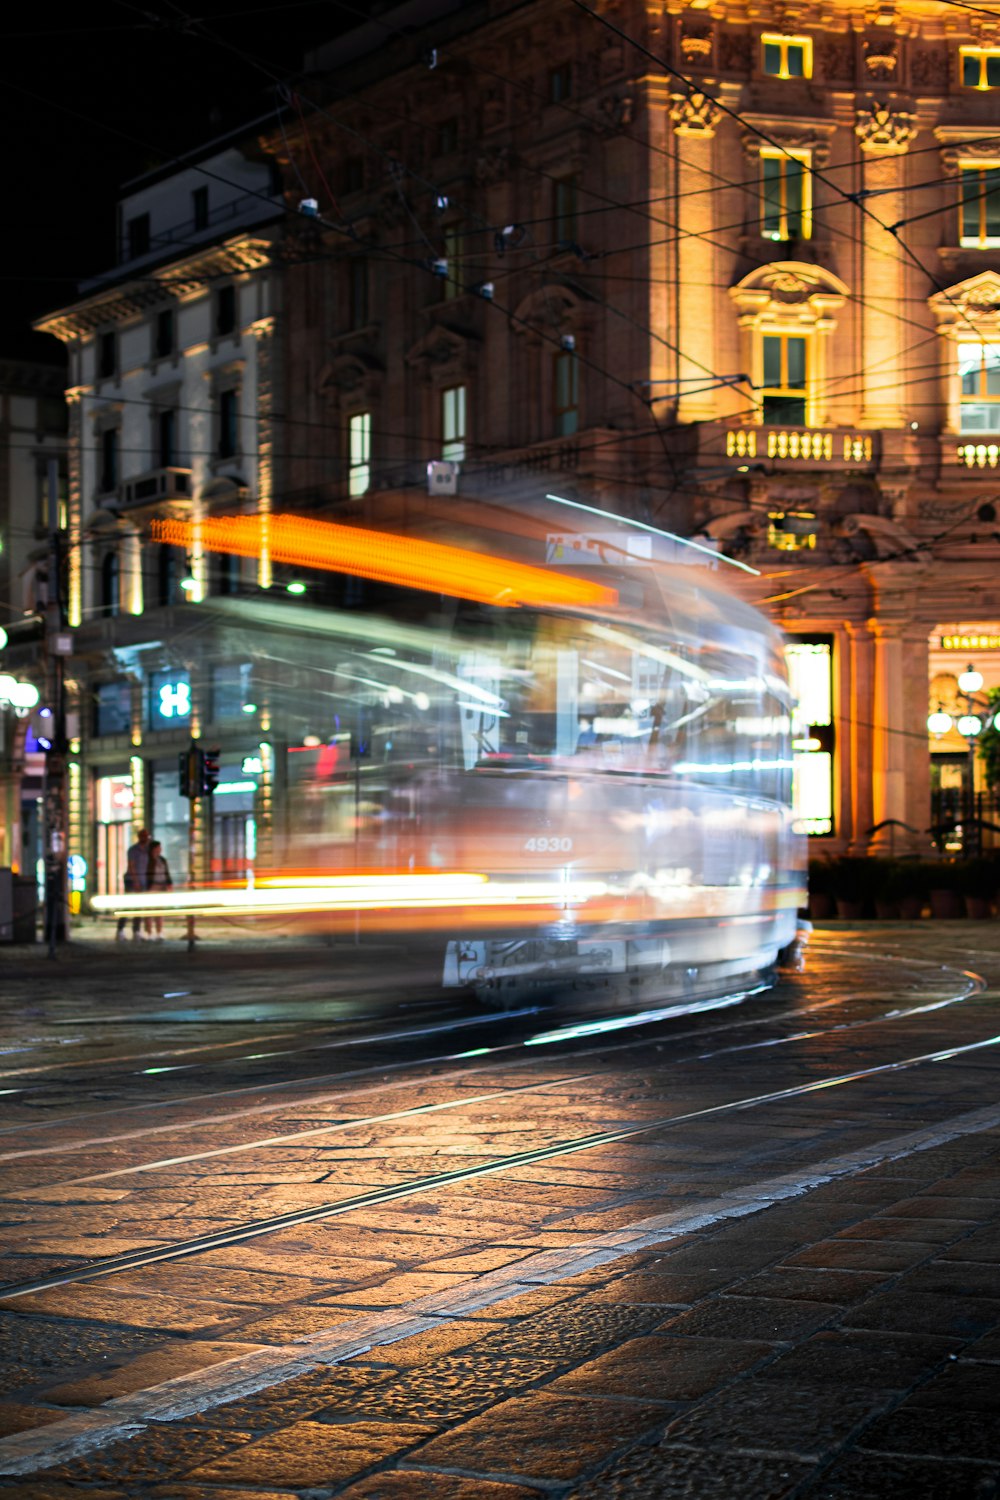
(239, 1234)
(326, 1099)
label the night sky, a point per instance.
(96, 95)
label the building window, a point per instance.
(166, 438)
(109, 459)
(359, 453)
(452, 284)
(560, 83)
(110, 584)
(980, 67)
(231, 689)
(163, 338)
(354, 174)
(107, 356)
(199, 207)
(168, 561)
(786, 56)
(453, 424)
(565, 398)
(138, 236)
(787, 199)
(113, 708)
(229, 435)
(227, 573)
(784, 383)
(447, 137)
(358, 292)
(225, 309)
(564, 208)
(979, 373)
(980, 205)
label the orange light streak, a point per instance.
(387, 558)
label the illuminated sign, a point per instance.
(169, 699)
(810, 673)
(970, 643)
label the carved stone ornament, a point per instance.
(696, 38)
(349, 375)
(492, 166)
(614, 113)
(770, 294)
(815, 141)
(694, 114)
(884, 129)
(969, 308)
(882, 59)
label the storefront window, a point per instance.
(810, 670)
(113, 708)
(171, 818)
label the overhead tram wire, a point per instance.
(815, 172)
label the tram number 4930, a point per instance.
(553, 845)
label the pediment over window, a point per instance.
(969, 308)
(788, 290)
(442, 346)
(552, 310)
(350, 375)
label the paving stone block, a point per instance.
(906, 1311)
(768, 1319)
(443, 1392)
(778, 1416)
(408, 1485)
(869, 1476)
(149, 1369)
(542, 1437)
(672, 1473)
(834, 1287)
(664, 1368)
(862, 1255)
(312, 1453)
(937, 1433)
(862, 1360)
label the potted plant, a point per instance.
(909, 887)
(945, 894)
(886, 898)
(978, 880)
(821, 904)
(856, 879)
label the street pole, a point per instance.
(54, 802)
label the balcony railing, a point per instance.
(154, 487)
(836, 446)
(976, 456)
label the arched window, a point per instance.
(785, 311)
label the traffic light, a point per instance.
(190, 769)
(210, 770)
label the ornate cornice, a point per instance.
(180, 279)
(788, 288)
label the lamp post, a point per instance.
(970, 726)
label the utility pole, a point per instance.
(57, 647)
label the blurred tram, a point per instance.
(584, 790)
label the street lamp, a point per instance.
(22, 697)
(970, 726)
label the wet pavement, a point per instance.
(280, 1220)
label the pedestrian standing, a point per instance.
(158, 879)
(136, 876)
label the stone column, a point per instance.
(854, 722)
(695, 119)
(888, 726)
(74, 540)
(263, 332)
(884, 133)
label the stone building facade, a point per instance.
(733, 270)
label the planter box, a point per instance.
(947, 905)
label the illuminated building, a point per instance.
(733, 272)
(734, 275)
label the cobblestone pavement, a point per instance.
(744, 1254)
